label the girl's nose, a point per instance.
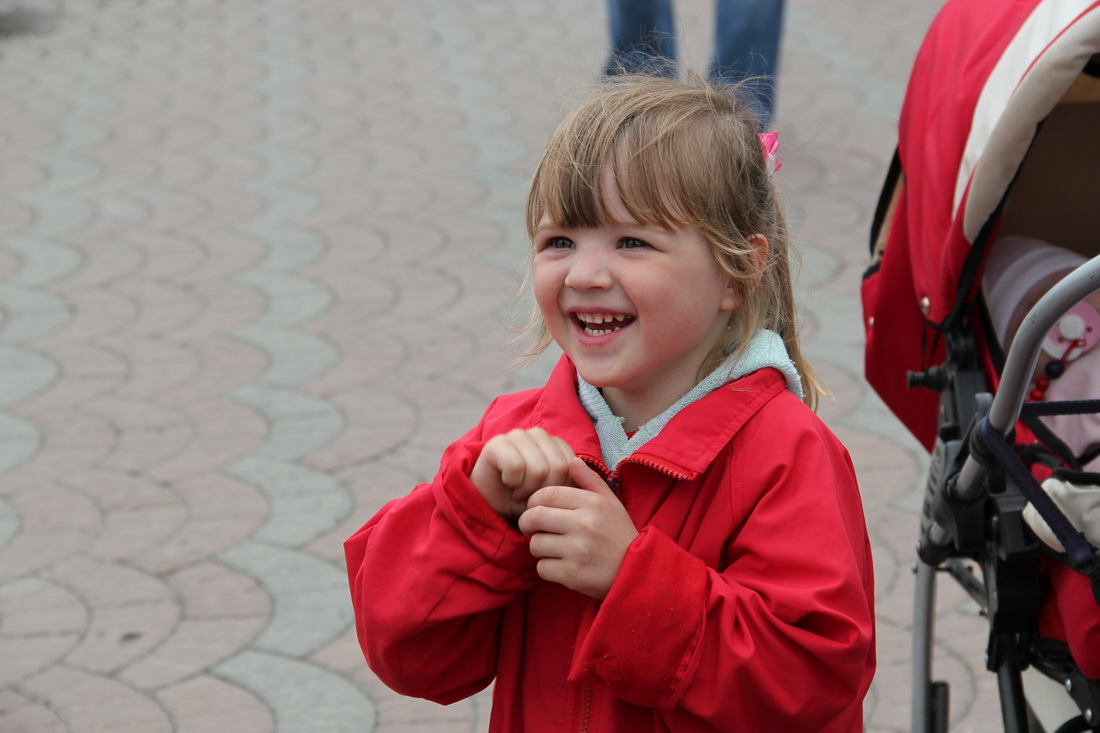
(588, 270)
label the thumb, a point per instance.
(585, 478)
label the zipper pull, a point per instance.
(614, 482)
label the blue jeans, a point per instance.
(746, 43)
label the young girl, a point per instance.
(664, 537)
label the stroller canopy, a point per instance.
(988, 73)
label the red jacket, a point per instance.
(745, 604)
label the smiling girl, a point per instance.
(664, 537)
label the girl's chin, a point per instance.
(608, 378)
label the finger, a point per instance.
(560, 497)
(566, 453)
(557, 454)
(547, 544)
(584, 477)
(552, 569)
(543, 518)
(545, 462)
(521, 461)
(509, 460)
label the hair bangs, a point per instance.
(651, 178)
(655, 164)
(686, 164)
(566, 188)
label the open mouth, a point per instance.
(601, 324)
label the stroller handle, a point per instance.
(1021, 360)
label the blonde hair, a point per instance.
(681, 154)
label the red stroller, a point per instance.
(999, 137)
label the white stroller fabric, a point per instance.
(1081, 504)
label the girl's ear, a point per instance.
(760, 260)
(731, 299)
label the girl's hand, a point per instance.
(580, 535)
(514, 465)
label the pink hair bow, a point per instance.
(770, 141)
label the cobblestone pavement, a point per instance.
(254, 262)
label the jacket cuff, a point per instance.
(482, 527)
(643, 641)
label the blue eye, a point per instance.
(632, 243)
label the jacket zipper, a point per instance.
(660, 468)
(614, 481)
(614, 478)
(586, 708)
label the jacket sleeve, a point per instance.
(780, 639)
(430, 575)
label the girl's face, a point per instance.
(636, 307)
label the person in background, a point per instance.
(746, 44)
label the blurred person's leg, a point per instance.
(643, 37)
(746, 46)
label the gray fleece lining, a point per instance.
(765, 350)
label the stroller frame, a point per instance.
(973, 511)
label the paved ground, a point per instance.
(254, 260)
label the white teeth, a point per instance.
(598, 318)
(589, 320)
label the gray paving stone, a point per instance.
(92, 702)
(294, 357)
(309, 596)
(206, 703)
(298, 423)
(25, 374)
(304, 503)
(291, 300)
(41, 260)
(302, 696)
(30, 314)
(9, 520)
(26, 716)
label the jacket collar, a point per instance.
(765, 349)
(688, 444)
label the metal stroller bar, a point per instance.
(1019, 365)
